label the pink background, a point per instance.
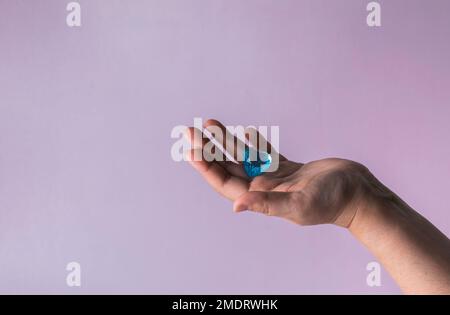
(86, 115)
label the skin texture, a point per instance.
(334, 191)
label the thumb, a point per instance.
(271, 203)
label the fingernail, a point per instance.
(240, 207)
(187, 134)
(188, 156)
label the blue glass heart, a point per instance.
(256, 163)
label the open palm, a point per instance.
(318, 192)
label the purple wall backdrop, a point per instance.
(86, 115)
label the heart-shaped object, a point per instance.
(256, 162)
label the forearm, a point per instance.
(413, 251)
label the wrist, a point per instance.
(379, 209)
(370, 198)
(372, 202)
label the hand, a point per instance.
(342, 192)
(324, 191)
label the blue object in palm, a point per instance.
(256, 163)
